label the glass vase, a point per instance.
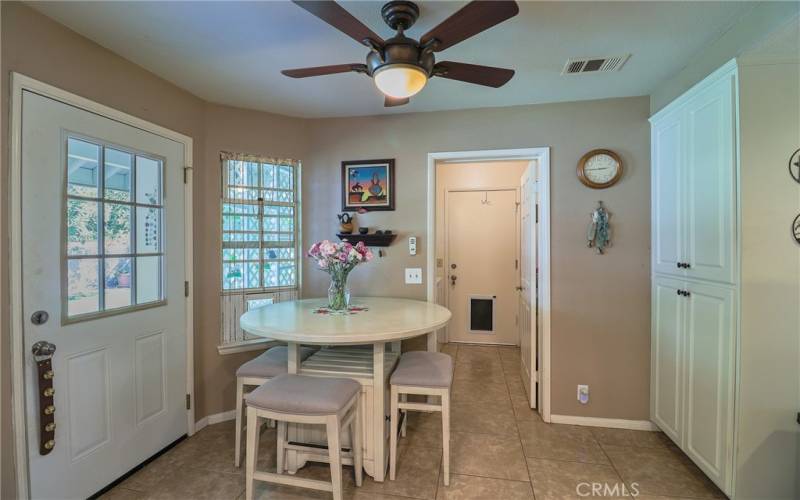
(338, 295)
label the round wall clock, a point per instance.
(600, 168)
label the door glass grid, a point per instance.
(113, 229)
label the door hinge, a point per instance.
(185, 288)
(537, 213)
(188, 401)
(186, 173)
(516, 263)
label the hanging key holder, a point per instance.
(43, 355)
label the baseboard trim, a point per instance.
(214, 419)
(614, 423)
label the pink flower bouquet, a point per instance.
(338, 259)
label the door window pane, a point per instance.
(118, 282)
(117, 234)
(148, 181)
(83, 168)
(148, 279)
(148, 229)
(118, 172)
(82, 227)
(113, 273)
(82, 286)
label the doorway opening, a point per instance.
(489, 228)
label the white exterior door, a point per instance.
(709, 380)
(482, 273)
(103, 251)
(667, 356)
(527, 315)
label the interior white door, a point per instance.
(709, 380)
(527, 315)
(481, 266)
(103, 247)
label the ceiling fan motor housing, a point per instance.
(401, 50)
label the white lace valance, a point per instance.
(228, 156)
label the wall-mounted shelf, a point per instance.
(371, 239)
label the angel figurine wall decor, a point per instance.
(599, 233)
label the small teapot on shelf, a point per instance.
(345, 223)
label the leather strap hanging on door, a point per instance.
(43, 354)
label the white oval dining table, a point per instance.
(383, 320)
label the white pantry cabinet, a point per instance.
(693, 145)
(694, 155)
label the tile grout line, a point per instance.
(519, 434)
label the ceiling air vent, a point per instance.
(594, 64)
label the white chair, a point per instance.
(255, 372)
(428, 374)
(301, 399)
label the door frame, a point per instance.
(446, 239)
(542, 155)
(19, 84)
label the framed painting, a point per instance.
(368, 184)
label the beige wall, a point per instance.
(600, 304)
(768, 451)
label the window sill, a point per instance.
(246, 346)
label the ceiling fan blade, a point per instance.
(324, 70)
(473, 73)
(336, 15)
(473, 18)
(390, 102)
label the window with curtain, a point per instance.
(260, 236)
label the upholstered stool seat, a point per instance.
(300, 399)
(302, 395)
(270, 363)
(427, 374)
(255, 372)
(424, 369)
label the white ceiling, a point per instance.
(232, 52)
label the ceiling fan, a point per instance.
(401, 66)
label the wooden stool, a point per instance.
(255, 372)
(428, 374)
(301, 399)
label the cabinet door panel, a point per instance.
(667, 152)
(710, 177)
(710, 341)
(666, 350)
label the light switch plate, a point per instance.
(412, 245)
(413, 276)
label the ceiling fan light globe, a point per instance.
(400, 80)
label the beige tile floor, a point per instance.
(500, 449)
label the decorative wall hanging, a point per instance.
(794, 166)
(599, 233)
(368, 185)
(796, 229)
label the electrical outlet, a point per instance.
(583, 394)
(413, 276)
